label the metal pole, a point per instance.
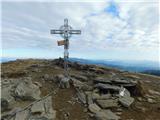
(66, 56)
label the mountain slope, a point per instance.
(143, 88)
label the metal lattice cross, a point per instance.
(66, 32)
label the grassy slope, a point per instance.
(19, 69)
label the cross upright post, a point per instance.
(66, 32)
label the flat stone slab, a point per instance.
(105, 96)
(119, 81)
(102, 80)
(22, 115)
(89, 98)
(44, 107)
(107, 87)
(38, 107)
(81, 85)
(107, 103)
(94, 108)
(106, 115)
(81, 96)
(126, 101)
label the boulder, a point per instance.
(26, 90)
(106, 115)
(64, 83)
(126, 101)
(107, 103)
(94, 108)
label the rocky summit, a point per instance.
(36, 89)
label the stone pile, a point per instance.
(24, 89)
(41, 110)
(103, 97)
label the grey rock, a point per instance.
(81, 85)
(81, 96)
(124, 92)
(45, 109)
(7, 89)
(49, 112)
(106, 115)
(89, 97)
(102, 80)
(126, 101)
(118, 113)
(4, 104)
(38, 118)
(38, 84)
(38, 107)
(120, 81)
(107, 103)
(94, 108)
(150, 100)
(107, 87)
(153, 92)
(140, 99)
(97, 70)
(7, 95)
(104, 96)
(64, 83)
(95, 96)
(26, 90)
(79, 77)
(85, 110)
(51, 78)
(22, 115)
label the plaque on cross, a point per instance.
(65, 32)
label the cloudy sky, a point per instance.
(126, 30)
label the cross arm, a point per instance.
(56, 32)
(75, 31)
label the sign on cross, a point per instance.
(66, 32)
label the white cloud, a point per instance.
(28, 24)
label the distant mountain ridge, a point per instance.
(7, 59)
(147, 67)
